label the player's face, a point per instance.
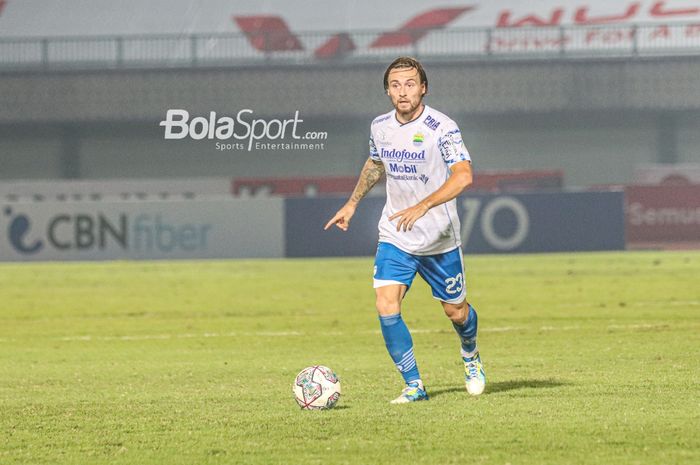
(406, 92)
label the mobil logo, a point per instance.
(403, 168)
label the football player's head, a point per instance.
(406, 83)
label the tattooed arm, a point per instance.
(370, 175)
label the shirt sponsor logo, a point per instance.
(408, 177)
(452, 147)
(403, 155)
(380, 119)
(431, 122)
(382, 137)
(399, 168)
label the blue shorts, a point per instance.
(443, 272)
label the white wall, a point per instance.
(598, 155)
(689, 139)
(589, 149)
(30, 156)
(145, 154)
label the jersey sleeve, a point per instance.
(452, 146)
(373, 153)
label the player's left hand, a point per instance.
(409, 216)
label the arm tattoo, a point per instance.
(370, 175)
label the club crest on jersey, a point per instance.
(418, 138)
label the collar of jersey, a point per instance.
(425, 107)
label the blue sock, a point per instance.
(467, 332)
(400, 346)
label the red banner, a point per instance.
(662, 213)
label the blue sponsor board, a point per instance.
(542, 222)
(305, 237)
(491, 223)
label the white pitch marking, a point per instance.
(502, 329)
(155, 337)
(667, 302)
(639, 326)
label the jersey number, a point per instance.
(454, 285)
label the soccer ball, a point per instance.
(316, 388)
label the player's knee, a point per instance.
(387, 306)
(457, 313)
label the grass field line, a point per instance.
(145, 337)
(284, 334)
(643, 303)
(503, 329)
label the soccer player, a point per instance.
(427, 166)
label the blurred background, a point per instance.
(554, 100)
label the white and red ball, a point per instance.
(316, 388)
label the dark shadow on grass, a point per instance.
(503, 386)
(337, 407)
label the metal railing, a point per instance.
(233, 49)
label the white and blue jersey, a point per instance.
(417, 157)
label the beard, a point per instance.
(408, 110)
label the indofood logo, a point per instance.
(244, 131)
(403, 155)
(97, 231)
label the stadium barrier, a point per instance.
(265, 42)
(506, 222)
(32, 190)
(662, 216)
(491, 223)
(173, 229)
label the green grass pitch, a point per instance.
(591, 358)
